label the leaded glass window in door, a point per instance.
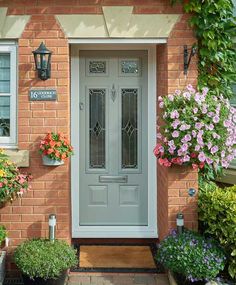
(97, 131)
(129, 131)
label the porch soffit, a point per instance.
(118, 22)
(11, 26)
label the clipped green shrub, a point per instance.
(41, 258)
(191, 255)
(217, 211)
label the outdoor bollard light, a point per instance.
(42, 59)
(180, 223)
(52, 221)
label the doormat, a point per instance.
(117, 258)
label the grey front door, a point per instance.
(113, 188)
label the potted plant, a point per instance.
(55, 148)
(13, 184)
(44, 262)
(190, 257)
(197, 129)
(3, 253)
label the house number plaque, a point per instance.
(43, 95)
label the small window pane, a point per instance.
(4, 73)
(97, 67)
(97, 131)
(129, 130)
(4, 116)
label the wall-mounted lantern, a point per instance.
(180, 223)
(42, 58)
(187, 57)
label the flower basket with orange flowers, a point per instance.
(55, 148)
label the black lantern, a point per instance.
(42, 58)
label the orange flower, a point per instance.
(52, 143)
(50, 150)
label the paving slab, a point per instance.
(117, 279)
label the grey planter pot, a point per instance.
(2, 266)
(51, 162)
(171, 279)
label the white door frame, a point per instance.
(149, 231)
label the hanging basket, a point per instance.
(51, 162)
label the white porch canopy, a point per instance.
(11, 26)
(118, 22)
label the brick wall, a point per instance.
(51, 186)
(173, 183)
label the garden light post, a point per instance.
(180, 223)
(52, 221)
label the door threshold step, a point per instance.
(117, 279)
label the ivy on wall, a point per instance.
(215, 29)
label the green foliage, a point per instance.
(43, 258)
(215, 29)
(3, 234)
(191, 255)
(217, 211)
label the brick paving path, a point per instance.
(117, 279)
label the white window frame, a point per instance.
(11, 142)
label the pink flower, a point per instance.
(175, 134)
(197, 147)
(186, 158)
(175, 124)
(205, 91)
(184, 147)
(195, 110)
(158, 150)
(164, 162)
(161, 105)
(160, 99)
(187, 95)
(177, 160)
(174, 114)
(159, 135)
(198, 126)
(194, 133)
(214, 149)
(201, 156)
(1, 184)
(171, 97)
(216, 119)
(210, 114)
(177, 92)
(190, 88)
(209, 160)
(194, 166)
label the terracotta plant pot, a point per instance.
(51, 162)
(40, 281)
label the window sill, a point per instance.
(20, 157)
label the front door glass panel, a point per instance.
(97, 129)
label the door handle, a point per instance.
(81, 106)
(113, 179)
